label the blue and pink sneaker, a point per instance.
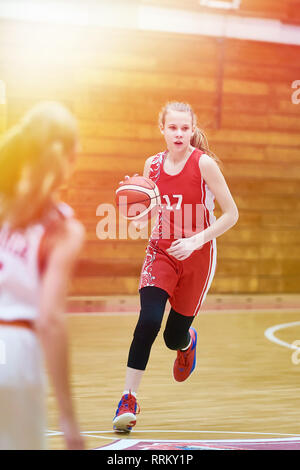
(186, 360)
(125, 417)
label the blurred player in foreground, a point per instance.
(39, 242)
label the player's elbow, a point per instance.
(234, 215)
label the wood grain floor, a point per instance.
(244, 385)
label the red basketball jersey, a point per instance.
(187, 204)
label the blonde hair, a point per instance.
(34, 161)
(199, 139)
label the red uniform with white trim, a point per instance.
(187, 208)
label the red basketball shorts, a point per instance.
(187, 282)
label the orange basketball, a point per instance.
(137, 198)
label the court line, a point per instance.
(53, 433)
(92, 434)
(269, 334)
(257, 441)
(206, 312)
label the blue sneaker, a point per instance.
(125, 417)
(186, 360)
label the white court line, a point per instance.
(53, 433)
(100, 314)
(116, 436)
(206, 312)
(269, 334)
(257, 441)
(202, 432)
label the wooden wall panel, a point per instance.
(265, 8)
(284, 10)
(116, 82)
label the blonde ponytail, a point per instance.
(34, 162)
(199, 140)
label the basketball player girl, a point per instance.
(39, 242)
(177, 268)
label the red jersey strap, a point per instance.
(156, 165)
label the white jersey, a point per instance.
(19, 270)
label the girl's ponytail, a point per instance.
(199, 140)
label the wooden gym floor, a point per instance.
(245, 385)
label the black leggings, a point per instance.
(176, 334)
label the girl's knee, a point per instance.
(147, 329)
(174, 341)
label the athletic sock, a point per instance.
(185, 349)
(126, 392)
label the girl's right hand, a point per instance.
(73, 439)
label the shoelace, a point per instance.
(182, 358)
(128, 405)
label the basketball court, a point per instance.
(237, 63)
(242, 395)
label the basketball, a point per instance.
(137, 198)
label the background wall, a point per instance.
(116, 81)
(284, 10)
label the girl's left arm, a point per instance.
(215, 180)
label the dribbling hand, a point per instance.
(127, 177)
